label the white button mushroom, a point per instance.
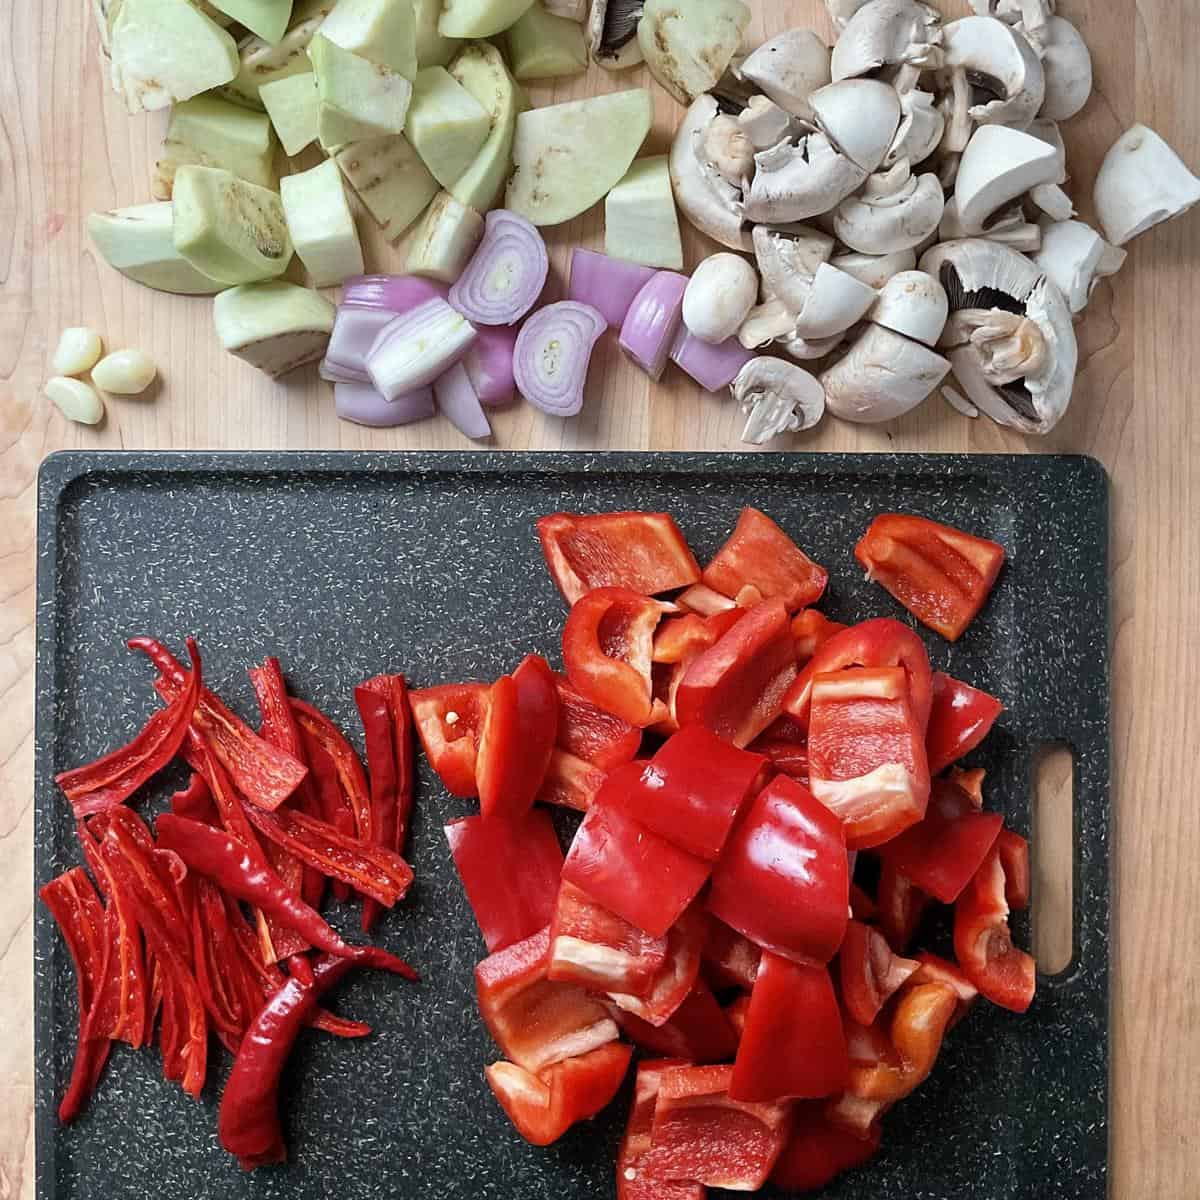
(779, 397)
(884, 33)
(988, 49)
(788, 68)
(882, 376)
(860, 117)
(796, 182)
(709, 201)
(914, 304)
(1067, 64)
(998, 165)
(719, 295)
(875, 269)
(1142, 182)
(1076, 258)
(835, 301)
(894, 211)
(788, 257)
(766, 124)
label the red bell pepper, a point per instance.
(608, 640)
(510, 871)
(517, 739)
(942, 852)
(856, 1116)
(818, 1151)
(589, 733)
(940, 574)
(680, 640)
(983, 942)
(543, 1107)
(449, 720)
(634, 1181)
(629, 870)
(698, 1032)
(736, 686)
(728, 959)
(676, 976)
(933, 969)
(783, 880)
(703, 1135)
(737, 1011)
(959, 720)
(793, 1044)
(862, 907)
(880, 642)
(866, 753)
(534, 1020)
(703, 601)
(901, 906)
(811, 630)
(571, 782)
(598, 950)
(970, 781)
(759, 554)
(1014, 858)
(644, 552)
(869, 971)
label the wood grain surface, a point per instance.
(67, 148)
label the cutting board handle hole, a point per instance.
(1052, 854)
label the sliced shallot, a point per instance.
(362, 404)
(552, 355)
(654, 318)
(456, 398)
(489, 365)
(713, 367)
(418, 346)
(608, 284)
(507, 273)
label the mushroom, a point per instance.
(921, 122)
(840, 11)
(730, 151)
(1067, 65)
(1076, 258)
(875, 269)
(718, 297)
(788, 257)
(765, 323)
(859, 116)
(882, 376)
(1031, 16)
(706, 198)
(914, 304)
(894, 211)
(779, 397)
(835, 302)
(1142, 182)
(807, 349)
(887, 33)
(788, 69)
(1009, 337)
(955, 107)
(611, 33)
(797, 180)
(1001, 63)
(1008, 228)
(998, 165)
(765, 124)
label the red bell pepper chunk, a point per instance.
(634, 1181)
(629, 870)
(940, 574)
(544, 1107)
(589, 733)
(880, 642)
(783, 880)
(856, 1116)
(698, 1032)
(703, 601)
(449, 720)
(571, 782)
(933, 969)
(703, 1135)
(970, 781)
(759, 554)
(517, 739)
(608, 640)
(1014, 858)
(866, 753)
(959, 720)
(644, 552)
(983, 942)
(942, 852)
(862, 907)
(901, 906)
(598, 950)
(737, 1011)
(736, 686)
(818, 1151)
(811, 630)
(677, 644)
(676, 976)
(870, 973)
(510, 871)
(793, 1044)
(784, 744)
(728, 958)
(534, 1020)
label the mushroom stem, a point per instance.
(1010, 346)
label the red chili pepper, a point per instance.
(264, 774)
(195, 801)
(959, 720)
(589, 733)
(214, 954)
(698, 1031)
(940, 574)
(728, 958)
(449, 720)
(248, 1122)
(316, 725)
(644, 552)
(331, 804)
(818, 1151)
(510, 871)
(869, 971)
(675, 978)
(571, 782)
(111, 780)
(759, 554)
(634, 1181)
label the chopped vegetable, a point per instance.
(480, 69)
(78, 351)
(959, 720)
(389, 179)
(368, 305)
(552, 354)
(505, 277)
(433, 50)
(688, 49)
(635, 1180)
(446, 125)
(321, 224)
(544, 46)
(418, 346)
(76, 400)
(381, 31)
(294, 106)
(479, 18)
(652, 322)
(263, 62)
(362, 404)
(267, 19)
(356, 98)
(608, 284)
(640, 222)
(489, 365)
(458, 402)
(216, 133)
(449, 721)
(714, 368)
(274, 326)
(445, 240)
(140, 243)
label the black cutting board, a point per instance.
(349, 564)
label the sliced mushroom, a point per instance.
(779, 397)
(795, 181)
(1030, 16)
(887, 33)
(1053, 201)
(875, 269)
(998, 165)
(859, 116)
(1067, 65)
(914, 304)
(788, 257)
(1000, 63)
(611, 33)
(921, 124)
(1142, 182)
(835, 302)
(770, 320)
(788, 68)
(766, 124)
(894, 211)
(808, 349)
(719, 296)
(1007, 227)
(730, 151)
(840, 11)
(955, 107)
(710, 202)
(1076, 258)
(882, 376)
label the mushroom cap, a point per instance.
(788, 68)
(1075, 257)
(998, 165)
(885, 224)
(875, 269)
(788, 257)
(914, 304)
(999, 58)
(709, 202)
(795, 182)
(882, 376)
(779, 396)
(766, 124)
(1008, 227)
(860, 117)
(1141, 183)
(718, 297)
(887, 32)
(840, 11)
(835, 302)
(1067, 65)
(920, 131)
(807, 349)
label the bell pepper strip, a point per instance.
(629, 870)
(111, 780)
(901, 906)
(727, 958)
(793, 1044)
(933, 969)
(880, 642)
(543, 1108)
(449, 720)
(263, 773)
(704, 601)
(676, 977)
(607, 645)
(983, 945)
(517, 739)
(959, 720)
(510, 871)
(1014, 858)
(702, 1134)
(810, 631)
(571, 782)
(641, 551)
(76, 908)
(783, 880)
(698, 1031)
(866, 753)
(940, 574)
(634, 1181)
(195, 801)
(759, 554)
(248, 1121)
(942, 852)
(589, 733)
(535, 1020)
(598, 950)
(869, 972)
(818, 1151)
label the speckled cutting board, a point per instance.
(346, 565)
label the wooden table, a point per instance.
(66, 148)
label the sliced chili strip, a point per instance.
(353, 779)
